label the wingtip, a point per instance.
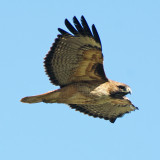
(66, 21)
(112, 120)
(74, 17)
(82, 17)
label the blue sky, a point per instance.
(130, 36)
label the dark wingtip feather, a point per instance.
(70, 27)
(78, 25)
(63, 32)
(137, 108)
(95, 34)
(112, 120)
(86, 27)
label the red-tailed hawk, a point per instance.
(75, 63)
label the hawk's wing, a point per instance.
(111, 110)
(77, 57)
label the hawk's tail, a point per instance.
(49, 97)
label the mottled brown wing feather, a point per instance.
(111, 110)
(77, 57)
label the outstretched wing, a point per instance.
(111, 110)
(75, 57)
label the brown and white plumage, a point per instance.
(75, 63)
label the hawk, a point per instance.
(75, 63)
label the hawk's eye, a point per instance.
(122, 87)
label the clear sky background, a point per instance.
(130, 36)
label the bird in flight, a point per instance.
(75, 63)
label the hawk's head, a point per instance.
(118, 90)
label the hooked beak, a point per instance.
(129, 91)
